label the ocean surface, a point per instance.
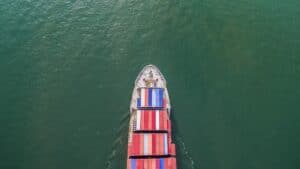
(67, 69)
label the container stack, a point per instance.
(151, 145)
(152, 120)
(150, 98)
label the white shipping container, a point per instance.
(138, 120)
(157, 119)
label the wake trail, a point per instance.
(117, 156)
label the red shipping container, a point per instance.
(135, 144)
(146, 120)
(152, 162)
(139, 164)
(165, 120)
(161, 120)
(172, 149)
(158, 144)
(142, 120)
(150, 144)
(154, 144)
(161, 146)
(157, 163)
(149, 164)
(145, 163)
(150, 120)
(153, 118)
(174, 163)
(157, 151)
(128, 163)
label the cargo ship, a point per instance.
(150, 143)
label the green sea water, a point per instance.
(67, 69)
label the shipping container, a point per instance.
(165, 143)
(172, 149)
(138, 120)
(138, 102)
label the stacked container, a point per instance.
(151, 145)
(151, 98)
(151, 120)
